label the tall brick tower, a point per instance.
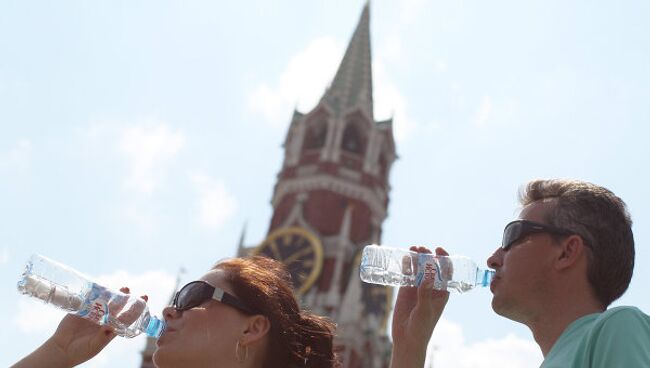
(330, 200)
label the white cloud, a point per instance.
(215, 203)
(148, 145)
(411, 9)
(309, 72)
(4, 255)
(35, 316)
(440, 66)
(139, 212)
(500, 112)
(391, 50)
(484, 111)
(157, 285)
(448, 349)
(19, 155)
(302, 82)
(388, 101)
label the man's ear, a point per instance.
(258, 326)
(572, 251)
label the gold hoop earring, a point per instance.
(239, 355)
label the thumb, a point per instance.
(440, 251)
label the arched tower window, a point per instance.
(315, 136)
(316, 133)
(352, 139)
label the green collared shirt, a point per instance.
(618, 337)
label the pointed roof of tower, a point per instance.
(352, 84)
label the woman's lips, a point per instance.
(165, 335)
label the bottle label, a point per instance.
(438, 269)
(95, 306)
(426, 269)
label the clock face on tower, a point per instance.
(299, 250)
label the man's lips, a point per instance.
(494, 282)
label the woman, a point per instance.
(242, 313)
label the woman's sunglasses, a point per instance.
(197, 292)
(519, 229)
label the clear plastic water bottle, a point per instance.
(398, 267)
(61, 286)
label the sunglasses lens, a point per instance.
(511, 233)
(190, 296)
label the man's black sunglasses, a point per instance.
(518, 229)
(197, 292)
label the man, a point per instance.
(561, 264)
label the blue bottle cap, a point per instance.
(156, 327)
(487, 277)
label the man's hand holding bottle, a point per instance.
(417, 311)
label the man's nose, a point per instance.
(496, 259)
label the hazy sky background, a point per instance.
(138, 137)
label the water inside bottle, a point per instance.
(379, 275)
(49, 292)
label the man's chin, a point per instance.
(498, 307)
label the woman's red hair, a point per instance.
(298, 338)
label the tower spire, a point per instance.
(352, 84)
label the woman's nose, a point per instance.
(170, 313)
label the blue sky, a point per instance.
(139, 137)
